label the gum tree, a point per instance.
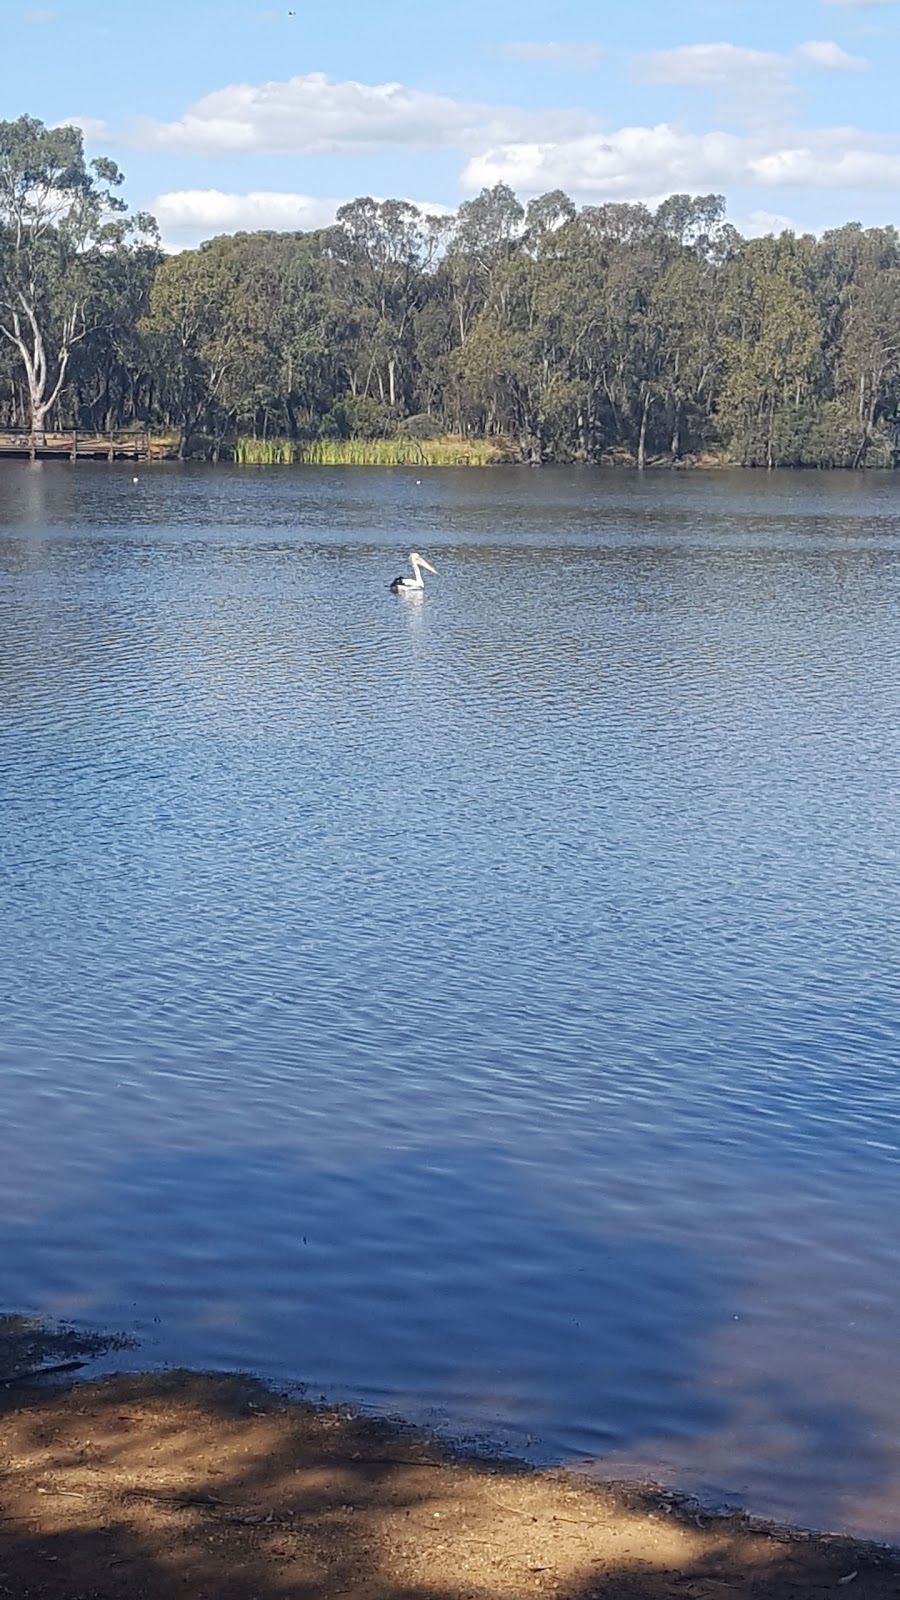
(55, 210)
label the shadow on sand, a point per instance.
(213, 1487)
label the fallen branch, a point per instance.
(39, 1372)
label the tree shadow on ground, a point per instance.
(163, 1485)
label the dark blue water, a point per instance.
(484, 1006)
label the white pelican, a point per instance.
(407, 585)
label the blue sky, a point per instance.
(252, 115)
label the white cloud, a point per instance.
(643, 163)
(756, 224)
(711, 66)
(830, 158)
(40, 16)
(750, 86)
(737, 70)
(318, 115)
(825, 53)
(187, 216)
(585, 54)
(860, 5)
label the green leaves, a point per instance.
(54, 211)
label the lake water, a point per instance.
(484, 1007)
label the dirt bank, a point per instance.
(181, 1484)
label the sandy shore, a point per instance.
(191, 1485)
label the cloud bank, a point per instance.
(532, 151)
(317, 115)
(186, 216)
(642, 163)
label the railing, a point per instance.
(129, 442)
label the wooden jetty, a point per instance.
(125, 444)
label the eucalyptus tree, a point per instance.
(55, 208)
(110, 379)
(13, 406)
(546, 213)
(867, 356)
(271, 341)
(574, 271)
(697, 221)
(311, 332)
(391, 247)
(685, 313)
(487, 231)
(191, 335)
(439, 391)
(630, 260)
(771, 348)
(686, 305)
(513, 359)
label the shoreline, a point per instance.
(215, 1485)
(614, 464)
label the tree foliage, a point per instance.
(610, 332)
(58, 215)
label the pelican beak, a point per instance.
(427, 565)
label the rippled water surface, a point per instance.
(485, 1007)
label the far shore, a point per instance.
(414, 454)
(215, 1487)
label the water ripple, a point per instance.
(486, 1007)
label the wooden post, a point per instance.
(73, 453)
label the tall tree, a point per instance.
(390, 247)
(771, 345)
(869, 361)
(54, 209)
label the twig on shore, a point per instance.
(39, 1372)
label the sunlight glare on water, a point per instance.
(483, 1006)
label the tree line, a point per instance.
(610, 332)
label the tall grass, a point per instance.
(445, 452)
(450, 451)
(264, 452)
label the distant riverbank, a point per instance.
(445, 451)
(448, 450)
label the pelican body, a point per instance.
(416, 582)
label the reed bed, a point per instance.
(449, 451)
(445, 452)
(264, 452)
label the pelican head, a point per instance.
(419, 561)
